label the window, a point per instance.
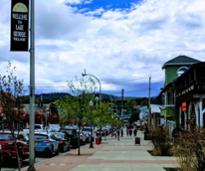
(181, 70)
(6, 137)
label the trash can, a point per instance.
(137, 140)
(97, 140)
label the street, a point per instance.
(112, 155)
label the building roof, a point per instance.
(180, 60)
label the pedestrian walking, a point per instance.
(127, 131)
(135, 132)
(114, 134)
(130, 131)
(118, 134)
(121, 132)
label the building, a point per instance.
(190, 97)
(173, 69)
(155, 118)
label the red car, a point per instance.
(8, 149)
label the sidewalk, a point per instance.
(111, 155)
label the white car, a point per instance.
(54, 127)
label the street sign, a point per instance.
(19, 25)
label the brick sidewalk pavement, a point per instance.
(110, 155)
(67, 161)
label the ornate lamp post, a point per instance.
(91, 134)
(98, 80)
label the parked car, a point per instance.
(88, 131)
(104, 131)
(45, 144)
(38, 127)
(64, 144)
(100, 132)
(9, 151)
(82, 138)
(53, 127)
(72, 135)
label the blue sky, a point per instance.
(122, 42)
(92, 5)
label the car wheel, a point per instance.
(20, 164)
(57, 152)
(48, 152)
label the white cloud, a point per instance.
(124, 45)
(77, 1)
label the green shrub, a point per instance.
(189, 148)
(161, 142)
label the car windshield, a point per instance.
(6, 137)
(70, 131)
(38, 127)
(54, 127)
(58, 135)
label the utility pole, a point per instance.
(32, 89)
(122, 102)
(149, 104)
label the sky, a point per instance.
(121, 42)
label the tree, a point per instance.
(68, 108)
(10, 90)
(99, 113)
(135, 115)
(104, 115)
(75, 107)
(83, 107)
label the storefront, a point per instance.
(190, 97)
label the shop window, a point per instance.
(203, 104)
(182, 120)
(204, 120)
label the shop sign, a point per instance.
(19, 25)
(184, 106)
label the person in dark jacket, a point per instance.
(135, 132)
(122, 132)
(118, 134)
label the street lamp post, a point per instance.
(91, 134)
(32, 89)
(98, 80)
(91, 102)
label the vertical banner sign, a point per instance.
(184, 106)
(19, 25)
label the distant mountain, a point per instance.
(45, 97)
(50, 97)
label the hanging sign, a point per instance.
(19, 25)
(184, 106)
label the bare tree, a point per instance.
(10, 90)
